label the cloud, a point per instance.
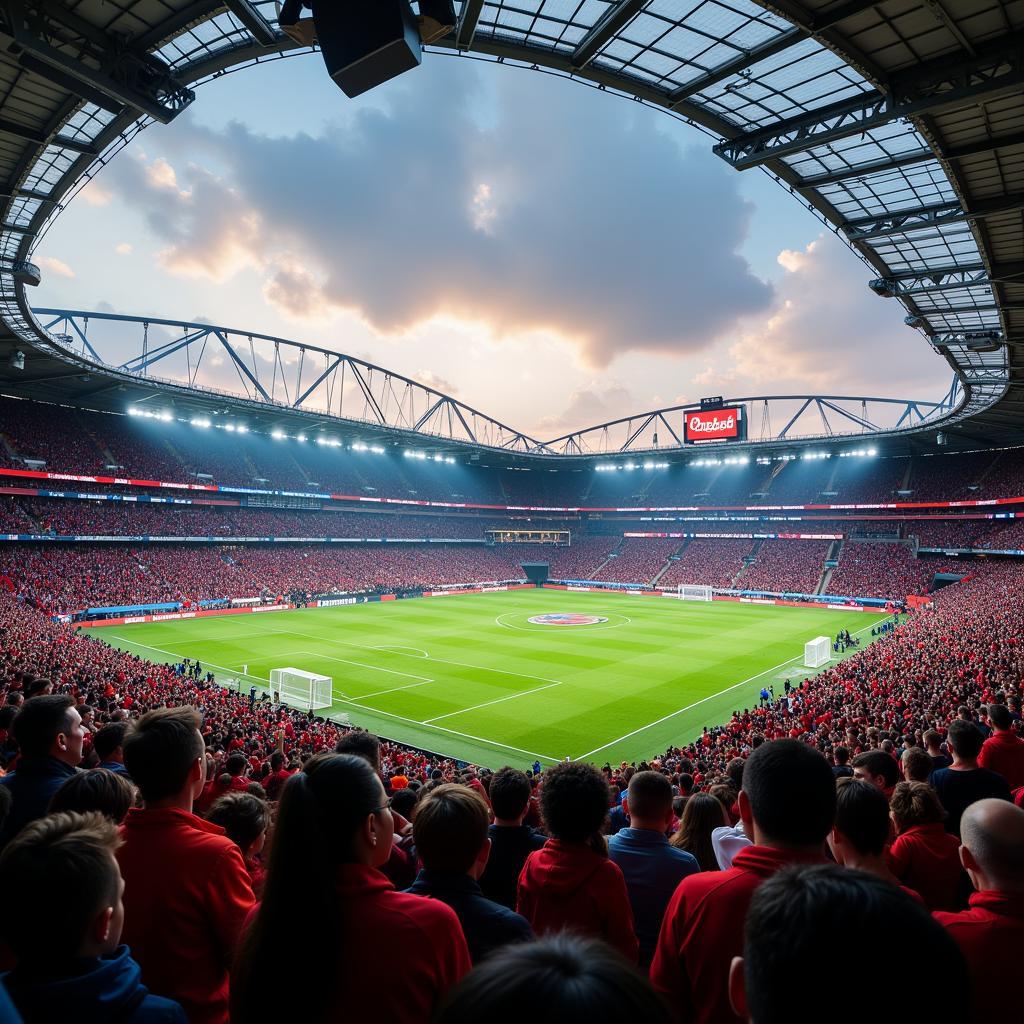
(123, 249)
(595, 403)
(829, 334)
(560, 212)
(94, 194)
(55, 266)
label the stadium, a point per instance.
(277, 619)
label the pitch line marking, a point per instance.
(359, 664)
(626, 620)
(488, 703)
(364, 707)
(703, 700)
(395, 649)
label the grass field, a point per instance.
(472, 677)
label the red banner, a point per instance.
(715, 425)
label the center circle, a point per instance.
(566, 619)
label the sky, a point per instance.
(550, 254)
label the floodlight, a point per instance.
(300, 437)
(278, 435)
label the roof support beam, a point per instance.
(19, 131)
(933, 216)
(865, 170)
(263, 32)
(912, 282)
(616, 18)
(935, 86)
(469, 18)
(810, 26)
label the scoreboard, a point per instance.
(558, 537)
(727, 423)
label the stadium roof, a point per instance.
(900, 122)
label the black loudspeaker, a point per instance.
(366, 42)
(536, 572)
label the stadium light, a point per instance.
(872, 452)
(229, 427)
(132, 411)
(200, 421)
(278, 435)
(377, 450)
(300, 437)
(165, 417)
(242, 428)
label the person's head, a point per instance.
(97, 789)
(842, 755)
(876, 767)
(555, 980)
(510, 796)
(244, 817)
(50, 725)
(932, 742)
(235, 764)
(992, 846)
(363, 744)
(276, 761)
(734, 769)
(573, 801)
(965, 740)
(862, 821)
(702, 814)
(404, 801)
(999, 717)
(165, 755)
(649, 801)
(790, 970)
(109, 742)
(333, 814)
(789, 795)
(450, 830)
(62, 890)
(915, 803)
(916, 765)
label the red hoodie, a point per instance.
(703, 931)
(1003, 752)
(991, 937)
(568, 885)
(927, 859)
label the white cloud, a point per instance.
(55, 266)
(123, 249)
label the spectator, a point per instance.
(279, 774)
(915, 765)
(702, 815)
(790, 973)
(841, 769)
(187, 891)
(109, 746)
(991, 932)
(334, 823)
(861, 832)
(963, 782)
(652, 868)
(1003, 751)
(933, 744)
(97, 789)
(925, 856)
(450, 832)
(245, 819)
(570, 882)
(787, 806)
(878, 768)
(511, 841)
(49, 734)
(564, 979)
(62, 920)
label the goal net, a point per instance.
(305, 690)
(692, 593)
(817, 652)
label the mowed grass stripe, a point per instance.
(665, 670)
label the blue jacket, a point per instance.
(105, 990)
(510, 846)
(116, 767)
(32, 785)
(486, 924)
(653, 870)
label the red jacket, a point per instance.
(991, 936)
(186, 896)
(568, 885)
(703, 931)
(927, 859)
(1003, 752)
(400, 953)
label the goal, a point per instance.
(691, 593)
(817, 652)
(303, 689)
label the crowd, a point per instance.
(782, 566)
(710, 562)
(638, 560)
(882, 570)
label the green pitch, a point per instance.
(470, 676)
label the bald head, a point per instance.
(992, 834)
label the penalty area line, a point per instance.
(697, 703)
(488, 703)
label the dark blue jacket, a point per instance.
(653, 870)
(116, 767)
(105, 990)
(510, 846)
(32, 785)
(486, 924)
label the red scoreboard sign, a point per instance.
(725, 424)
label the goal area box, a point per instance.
(817, 652)
(305, 690)
(688, 592)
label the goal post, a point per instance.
(688, 592)
(817, 652)
(305, 690)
